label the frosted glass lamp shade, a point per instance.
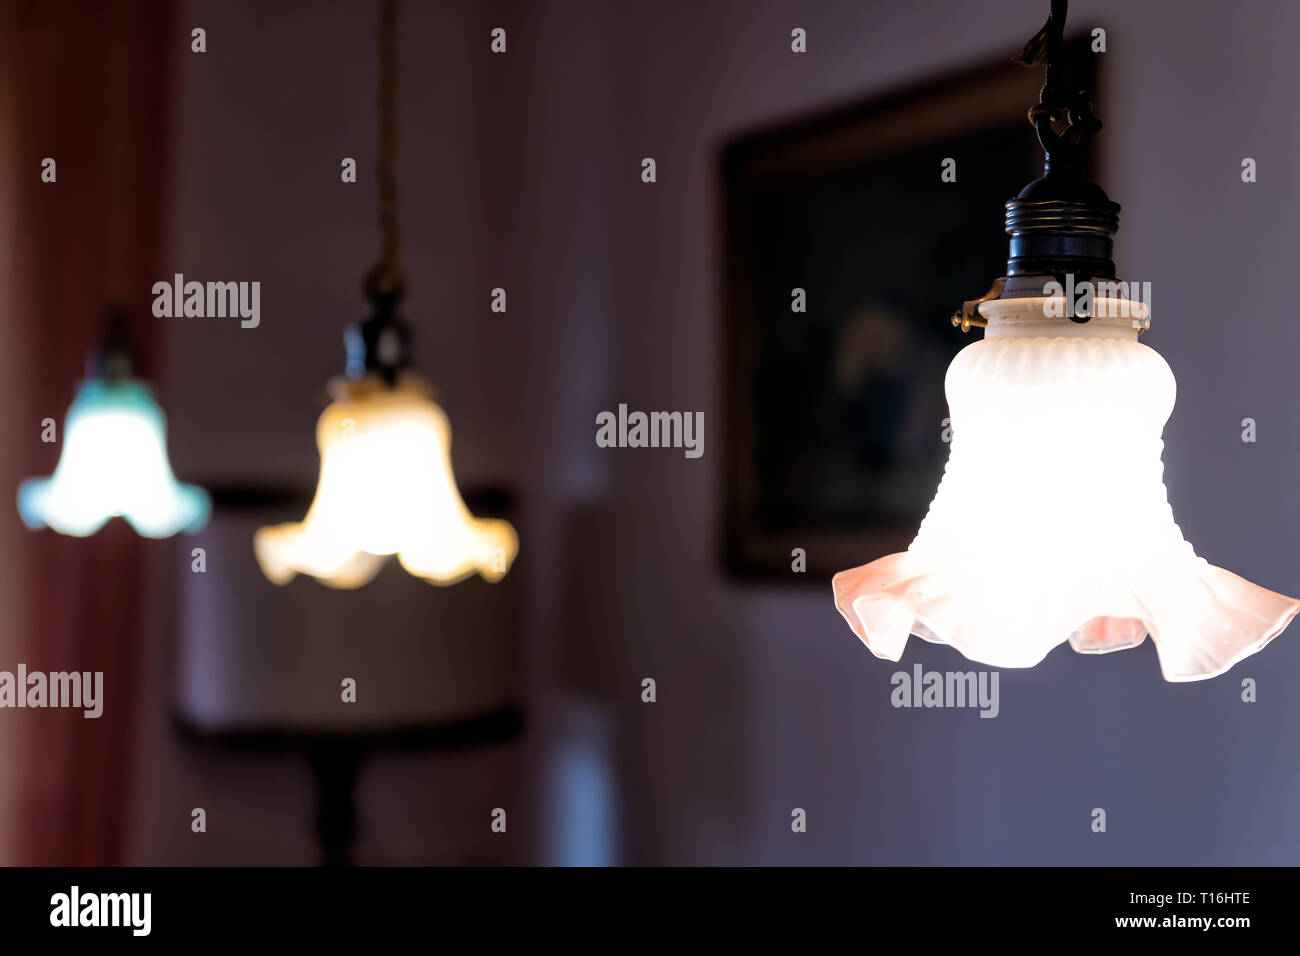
(114, 463)
(386, 488)
(1051, 522)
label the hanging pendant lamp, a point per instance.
(386, 485)
(114, 457)
(114, 460)
(1051, 522)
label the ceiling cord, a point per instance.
(1056, 102)
(120, 161)
(386, 278)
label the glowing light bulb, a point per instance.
(1051, 522)
(114, 463)
(386, 487)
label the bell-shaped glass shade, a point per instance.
(1051, 522)
(114, 462)
(386, 487)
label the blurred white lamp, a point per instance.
(1051, 522)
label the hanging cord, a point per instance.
(1056, 102)
(1061, 223)
(380, 344)
(120, 162)
(386, 279)
(111, 358)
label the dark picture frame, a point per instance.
(835, 416)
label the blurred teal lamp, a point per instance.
(114, 461)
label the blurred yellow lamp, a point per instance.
(386, 488)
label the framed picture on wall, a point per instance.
(846, 251)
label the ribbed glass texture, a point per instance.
(1051, 522)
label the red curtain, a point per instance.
(81, 605)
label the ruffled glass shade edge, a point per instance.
(1231, 620)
